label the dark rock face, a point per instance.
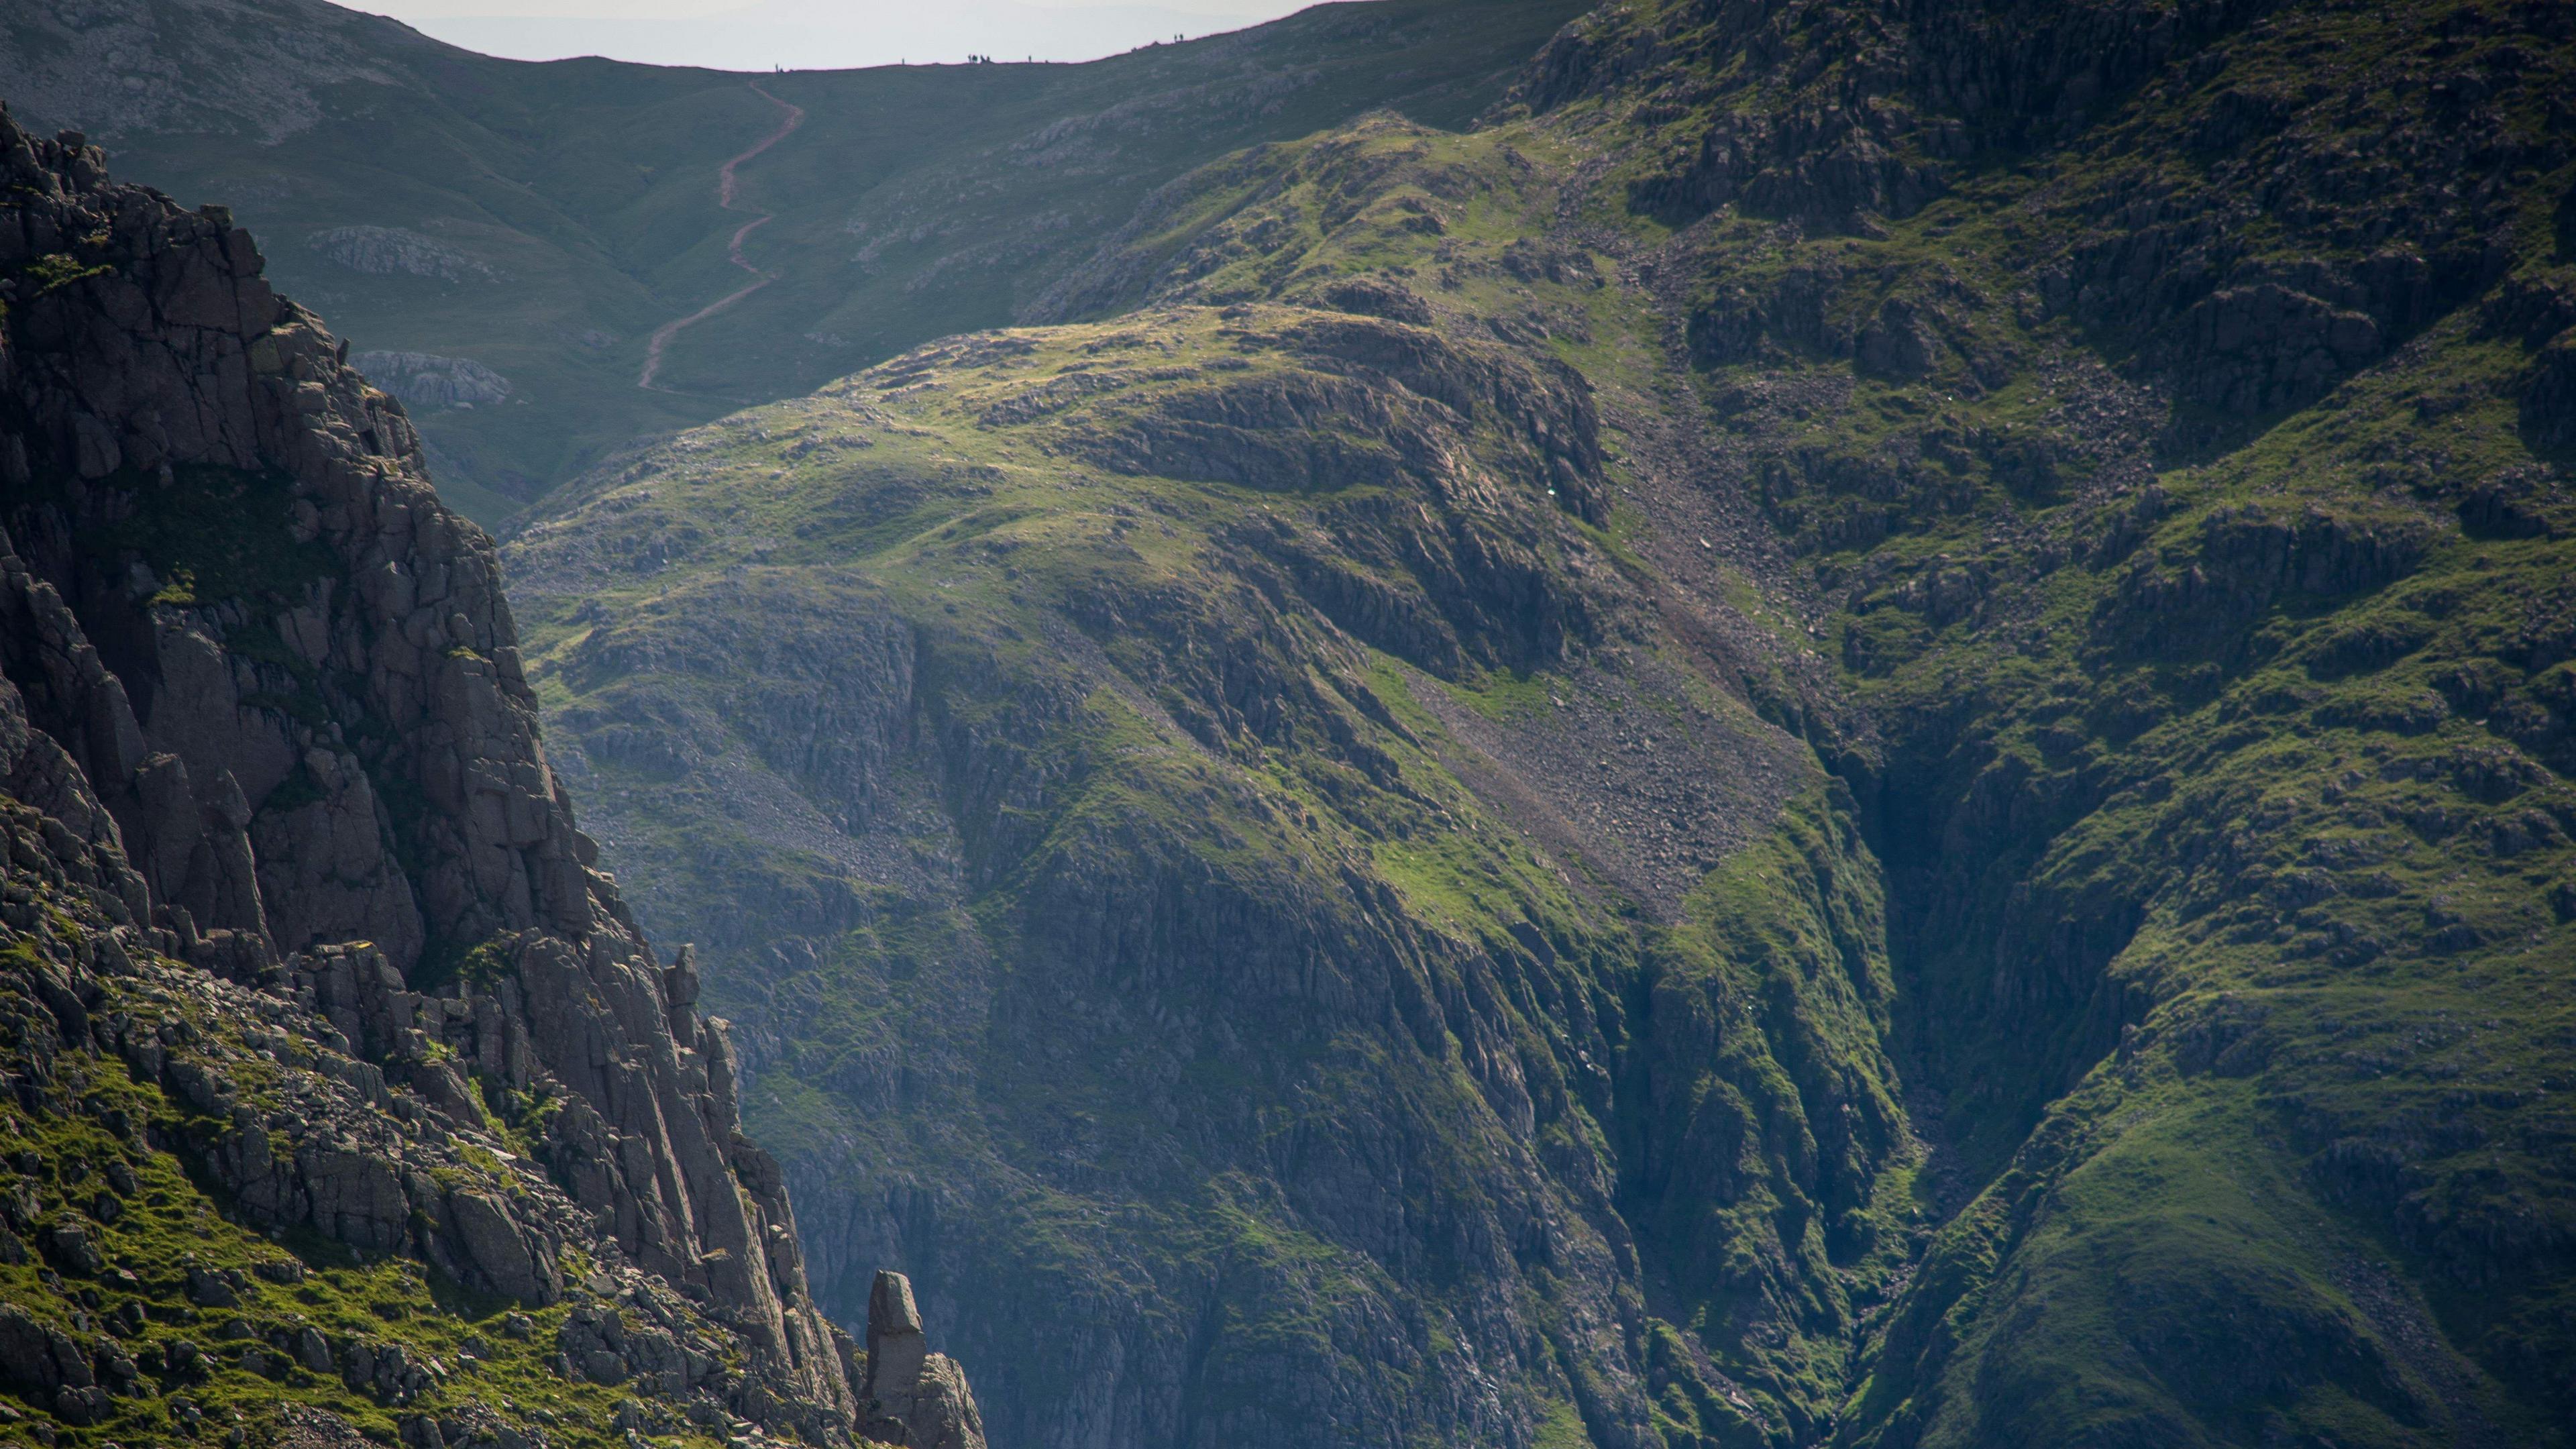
(263, 715)
(38, 1359)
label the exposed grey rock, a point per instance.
(317, 780)
(208, 1289)
(385, 251)
(913, 1397)
(77, 1406)
(1897, 342)
(425, 379)
(69, 1246)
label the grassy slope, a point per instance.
(2205, 703)
(1169, 846)
(230, 1372)
(916, 202)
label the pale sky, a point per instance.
(819, 34)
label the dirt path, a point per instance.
(662, 335)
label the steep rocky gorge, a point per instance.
(346, 1096)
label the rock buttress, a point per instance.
(265, 705)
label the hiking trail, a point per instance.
(725, 186)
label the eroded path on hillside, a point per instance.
(725, 187)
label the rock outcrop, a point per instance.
(283, 839)
(910, 1396)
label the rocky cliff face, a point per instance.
(301, 931)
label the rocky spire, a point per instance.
(911, 1396)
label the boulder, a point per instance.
(73, 1250)
(208, 1289)
(83, 1405)
(37, 1358)
(493, 1251)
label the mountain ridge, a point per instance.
(540, 221)
(2114, 447)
